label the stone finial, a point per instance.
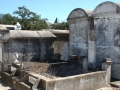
(18, 26)
(107, 60)
(74, 58)
(106, 66)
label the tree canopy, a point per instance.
(29, 20)
(8, 19)
(61, 26)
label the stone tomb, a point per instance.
(75, 82)
(107, 34)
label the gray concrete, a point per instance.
(78, 32)
(107, 34)
(115, 84)
(60, 45)
(27, 50)
(85, 65)
(29, 47)
(106, 66)
(87, 81)
(91, 54)
(0, 52)
(65, 52)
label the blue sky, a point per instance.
(50, 9)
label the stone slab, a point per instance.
(22, 86)
(13, 68)
(32, 80)
(115, 84)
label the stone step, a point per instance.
(115, 84)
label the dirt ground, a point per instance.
(108, 88)
(56, 70)
(4, 86)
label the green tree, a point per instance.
(61, 26)
(30, 20)
(8, 19)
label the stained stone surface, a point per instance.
(107, 35)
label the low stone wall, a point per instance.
(28, 80)
(88, 81)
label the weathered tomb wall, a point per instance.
(79, 26)
(88, 81)
(28, 50)
(107, 34)
(91, 46)
(0, 52)
(61, 47)
(29, 45)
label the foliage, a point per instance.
(61, 26)
(8, 19)
(30, 20)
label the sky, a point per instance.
(50, 9)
